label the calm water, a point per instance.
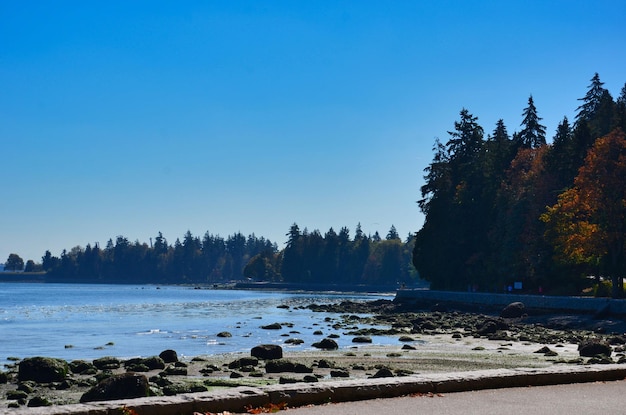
(75, 321)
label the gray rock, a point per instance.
(267, 351)
(42, 369)
(513, 310)
(281, 366)
(169, 356)
(124, 386)
(594, 347)
(273, 326)
(326, 344)
(243, 362)
(107, 363)
(38, 401)
(82, 367)
(383, 373)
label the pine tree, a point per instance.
(392, 234)
(591, 101)
(620, 110)
(560, 157)
(499, 153)
(466, 141)
(533, 134)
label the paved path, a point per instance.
(574, 399)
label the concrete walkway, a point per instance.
(296, 395)
(579, 398)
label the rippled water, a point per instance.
(75, 321)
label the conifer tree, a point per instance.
(591, 101)
(533, 134)
(620, 110)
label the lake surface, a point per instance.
(76, 321)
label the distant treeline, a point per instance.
(190, 261)
(308, 258)
(512, 208)
(336, 258)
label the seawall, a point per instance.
(547, 303)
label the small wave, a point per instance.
(153, 331)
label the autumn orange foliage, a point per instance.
(588, 223)
(270, 408)
(128, 411)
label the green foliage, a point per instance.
(14, 263)
(194, 260)
(483, 199)
(334, 258)
(533, 134)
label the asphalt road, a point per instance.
(574, 399)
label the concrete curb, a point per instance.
(236, 399)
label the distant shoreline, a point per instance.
(12, 276)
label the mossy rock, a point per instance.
(82, 367)
(171, 390)
(107, 363)
(43, 369)
(124, 386)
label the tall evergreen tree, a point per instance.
(392, 234)
(453, 193)
(533, 134)
(591, 101)
(466, 142)
(560, 159)
(620, 110)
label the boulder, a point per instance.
(243, 362)
(326, 344)
(38, 401)
(82, 367)
(362, 339)
(169, 356)
(383, 373)
(267, 351)
(281, 366)
(123, 386)
(594, 347)
(107, 363)
(154, 362)
(273, 326)
(144, 364)
(174, 371)
(171, 390)
(513, 310)
(42, 369)
(490, 326)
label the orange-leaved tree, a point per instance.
(587, 224)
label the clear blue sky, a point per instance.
(134, 117)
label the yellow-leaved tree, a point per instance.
(588, 223)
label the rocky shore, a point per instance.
(437, 340)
